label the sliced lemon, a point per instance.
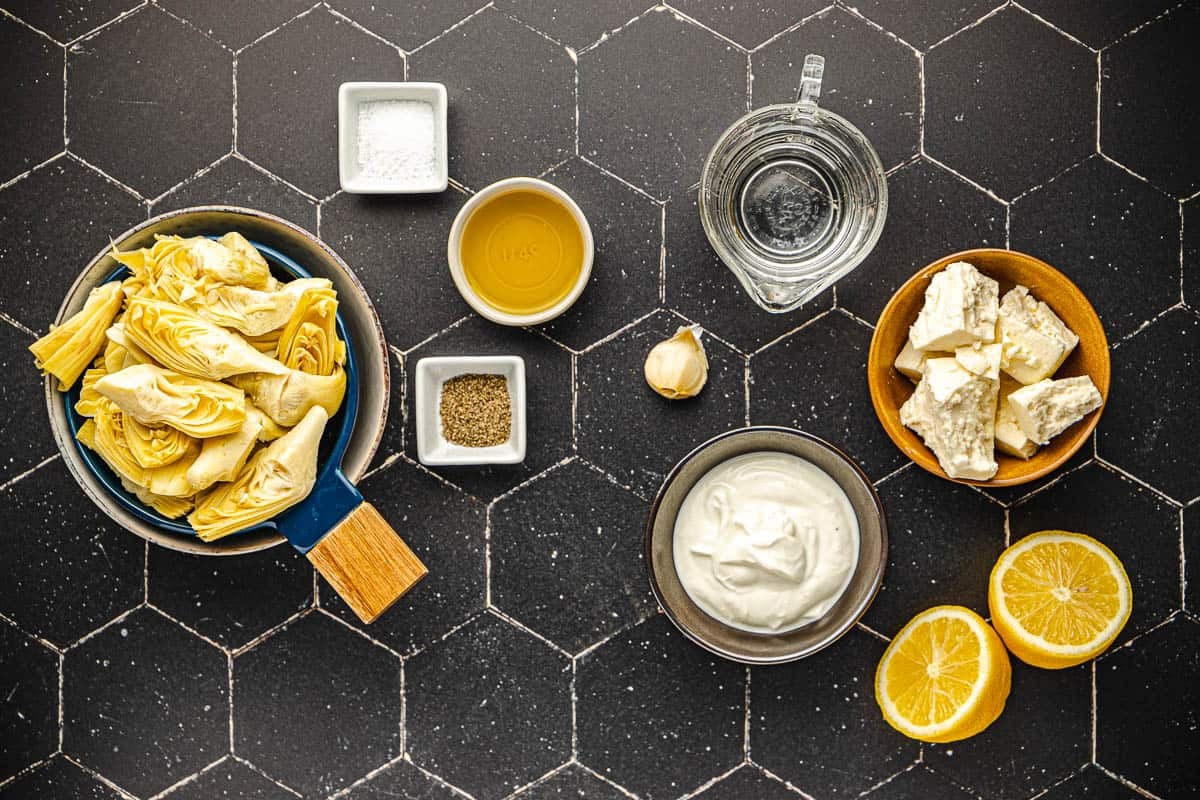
(1058, 599)
(944, 677)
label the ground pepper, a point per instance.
(476, 410)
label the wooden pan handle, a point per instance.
(366, 562)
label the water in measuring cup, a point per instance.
(788, 205)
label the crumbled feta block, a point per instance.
(1010, 438)
(980, 359)
(961, 307)
(1035, 340)
(954, 411)
(911, 362)
(1047, 408)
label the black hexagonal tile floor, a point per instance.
(145, 703)
(815, 722)
(1005, 762)
(1011, 494)
(1090, 784)
(235, 182)
(934, 558)
(39, 261)
(1154, 434)
(870, 78)
(287, 95)
(749, 22)
(572, 781)
(512, 93)
(237, 24)
(1139, 526)
(69, 19)
(701, 287)
(401, 780)
(143, 81)
(29, 715)
(1097, 22)
(627, 229)
(70, 569)
(567, 557)
(563, 22)
(58, 779)
(230, 600)
(489, 708)
(618, 414)
(23, 428)
(1153, 134)
(446, 531)
(391, 443)
(815, 380)
(931, 213)
(1191, 555)
(317, 721)
(657, 714)
(1092, 222)
(1147, 701)
(547, 401)
(919, 782)
(410, 24)
(968, 120)
(32, 130)
(654, 98)
(1191, 251)
(745, 782)
(936, 19)
(229, 780)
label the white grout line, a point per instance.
(1130, 477)
(359, 632)
(188, 23)
(97, 776)
(689, 20)
(521, 626)
(80, 159)
(339, 15)
(1128, 784)
(746, 720)
(604, 37)
(1017, 5)
(474, 615)
(968, 26)
(259, 770)
(456, 25)
(280, 26)
(487, 556)
(102, 26)
(820, 12)
(188, 779)
(761, 348)
(31, 170)
(6, 14)
(1146, 24)
(16, 323)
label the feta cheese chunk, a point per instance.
(961, 307)
(911, 362)
(1036, 342)
(1010, 438)
(1047, 408)
(980, 359)
(954, 411)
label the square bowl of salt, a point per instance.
(392, 137)
(470, 410)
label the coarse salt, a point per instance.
(397, 140)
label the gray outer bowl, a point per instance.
(361, 321)
(758, 648)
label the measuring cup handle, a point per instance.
(810, 84)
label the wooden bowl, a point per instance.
(889, 389)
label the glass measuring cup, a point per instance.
(792, 197)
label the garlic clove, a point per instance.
(677, 368)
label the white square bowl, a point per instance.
(432, 447)
(350, 96)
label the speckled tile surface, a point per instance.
(533, 662)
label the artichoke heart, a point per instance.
(240, 246)
(180, 340)
(223, 456)
(155, 445)
(154, 396)
(287, 398)
(115, 356)
(88, 396)
(106, 434)
(309, 341)
(276, 477)
(255, 312)
(169, 507)
(66, 350)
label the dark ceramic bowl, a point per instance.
(745, 646)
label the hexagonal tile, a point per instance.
(1191, 555)
(656, 713)
(870, 78)
(409, 25)
(1099, 22)
(67, 19)
(563, 22)
(934, 558)
(237, 24)
(815, 380)
(287, 95)
(567, 557)
(146, 80)
(229, 780)
(701, 287)
(230, 600)
(71, 568)
(58, 779)
(1167, 125)
(1154, 434)
(29, 716)
(321, 678)
(397, 246)
(511, 98)
(401, 780)
(391, 443)
(1011, 494)
(746, 782)
(654, 97)
(1092, 222)
(1057, 111)
(489, 708)
(1191, 250)
(235, 182)
(1004, 762)
(1147, 696)
(446, 531)
(1139, 526)
(23, 428)
(41, 264)
(571, 781)
(918, 782)
(32, 128)
(749, 22)
(547, 401)
(931, 212)
(145, 703)
(815, 722)
(633, 433)
(627, 229)
(935, 22)
(1090, 784)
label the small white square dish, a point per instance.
(392, 138)
(432, 447)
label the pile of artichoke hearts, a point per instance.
(207, 382)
